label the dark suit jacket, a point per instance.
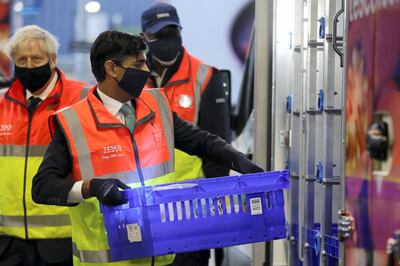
(50, 250)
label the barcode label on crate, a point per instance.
(255, 206)
(134, 234)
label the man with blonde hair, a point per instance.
(31, 234)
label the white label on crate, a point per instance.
(255, 206)
(134, 234)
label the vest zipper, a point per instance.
(136, 152)
(28, 138)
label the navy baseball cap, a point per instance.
(158, 16)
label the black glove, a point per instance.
(243, 165)
(106, 191)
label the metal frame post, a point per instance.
(263, 97)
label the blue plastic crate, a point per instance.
(196, 215)
(331, 244)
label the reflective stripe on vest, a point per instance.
(84, 92)
(200, 80)
(19, 150)
(168, 124)
(82, 148)
(35, 221)
(91, 256)
(130, 177)
(103, 257)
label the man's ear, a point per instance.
(53, 61)
(109, 69)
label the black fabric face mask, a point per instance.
(165, 49)
(133, 80)
(33, 79)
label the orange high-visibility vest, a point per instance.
(101, 146)
(23, 142)
(184, 91)
(186, 86)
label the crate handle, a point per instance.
(317, 243)
(175, 186)
(289, 104)
(322, 27)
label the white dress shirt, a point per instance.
(113, 106)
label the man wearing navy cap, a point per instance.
(195, 92)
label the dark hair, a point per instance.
(114, 45)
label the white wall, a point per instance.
(206, 28)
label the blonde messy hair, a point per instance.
(45, 39)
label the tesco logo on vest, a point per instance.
(112, 152)
(112, 148)
(5, 129)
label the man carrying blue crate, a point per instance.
(119, 135)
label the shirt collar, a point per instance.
(112, 105)
(47, 91)
(158, 79)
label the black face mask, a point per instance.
(133, 80)
(33, 79)
(165, 49)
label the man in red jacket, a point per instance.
(31, 234)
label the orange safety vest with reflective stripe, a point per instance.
(102, 147)
(184, 91)
(23, 142)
